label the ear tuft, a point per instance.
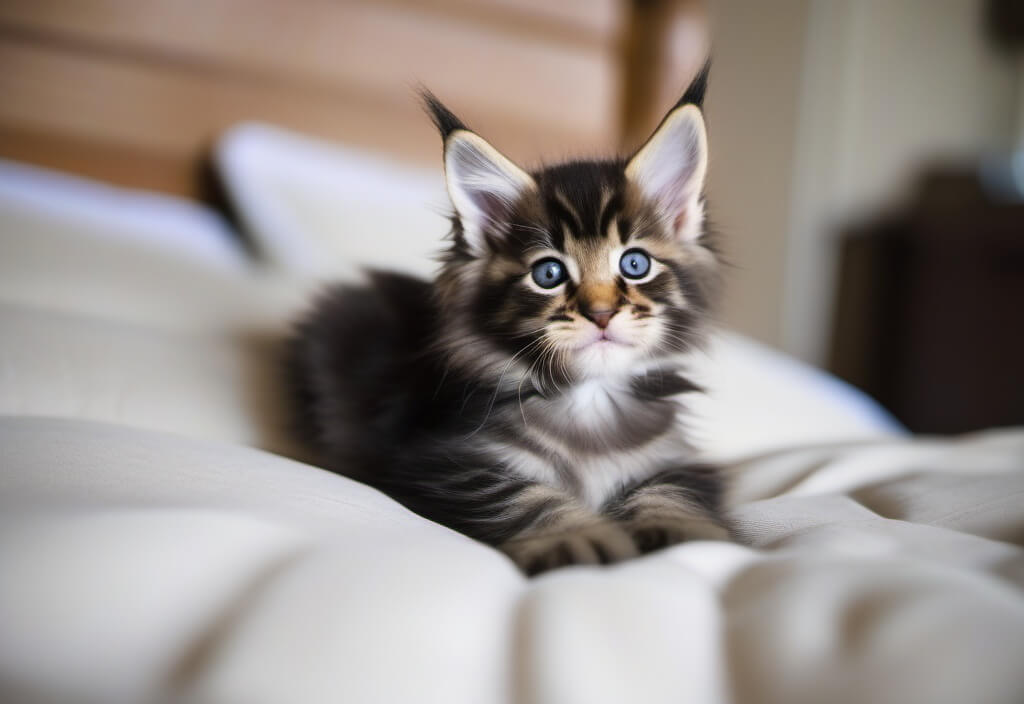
(694, 94)
(443, 118)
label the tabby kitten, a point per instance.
(528, 397)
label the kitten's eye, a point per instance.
(548, 273)
(634, 264)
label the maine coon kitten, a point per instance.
(528, 397)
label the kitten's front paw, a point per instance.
(595, 544)
(656, 533)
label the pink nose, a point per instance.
(600, 317)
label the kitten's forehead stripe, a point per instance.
(566, 236)
(625, 226)
(578, 192)
(609, 214)
(563, 223)
(611, 231)
(572, 216)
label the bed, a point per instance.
(163, 541)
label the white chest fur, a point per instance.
(595, 440)
(601, 476)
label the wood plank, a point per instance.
(179, 174)
(167, 108)
(668, 45)
(571, 21)
(179, 111)
(375, 48)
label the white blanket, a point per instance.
(143, 567)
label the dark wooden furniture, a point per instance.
(930, 311)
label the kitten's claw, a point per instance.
(595, 544)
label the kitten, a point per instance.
(528, 397)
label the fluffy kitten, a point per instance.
(529, 396)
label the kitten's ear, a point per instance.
(671, 166)
(482, 183)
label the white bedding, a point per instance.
(140, 567)
(148, 553)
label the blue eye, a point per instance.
(635, 264)
(548, 273)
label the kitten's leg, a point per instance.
(539, 526)
(566, 533)
(671, 507)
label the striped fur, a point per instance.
(544, 421)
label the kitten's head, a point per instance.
(582, 270)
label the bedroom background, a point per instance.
(176, 174)
(840, 129)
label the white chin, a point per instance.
(604, 358)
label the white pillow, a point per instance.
(759, 400)
(133, 218)
(323, 210)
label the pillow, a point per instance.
(77, 246)
(324, 211)
(140, 219)
(759, 400)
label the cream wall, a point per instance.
(821, 110)
(752, 102)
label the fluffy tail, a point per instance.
(352, 366)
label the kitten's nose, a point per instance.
(600, 318)
(598, 302)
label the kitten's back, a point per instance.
(358, 366)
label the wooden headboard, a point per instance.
(134, 91)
